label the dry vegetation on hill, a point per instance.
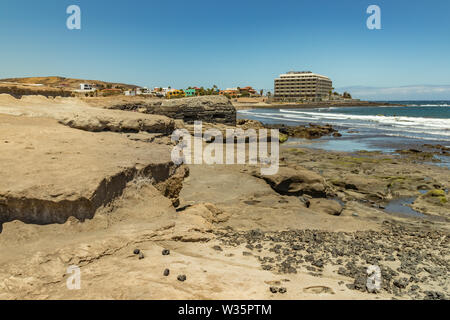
(51, 86)
(61, 82)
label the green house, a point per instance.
(190, 92)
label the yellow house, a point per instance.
(175, 93)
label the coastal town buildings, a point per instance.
(175, 93)
(229, 91)
(85, 90)
(86, 87)
(169, 92)
(302, 85)
(137, 91)
(238, 92)
(129, 92)
(190, 92)
(144, 91)
(159, 91)
(248, 90)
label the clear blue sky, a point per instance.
(228, 43)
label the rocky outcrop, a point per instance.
(170, 183)
(76, 114)
(196, 222)
(214, 109)
(313, 131)
(331, 207)
(118, 121)
(207, 108)
(50, 172)
(246, 124)
(434, 202)
(299, 181)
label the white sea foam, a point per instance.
(404, 135)
(429, 105)
(401, 121)
(401, 126)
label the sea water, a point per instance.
(379, 128)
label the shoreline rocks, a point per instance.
(214, 109)
(331, 207)
(298, 181)
(312, 131)
(349, 254)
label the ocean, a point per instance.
(381, 128)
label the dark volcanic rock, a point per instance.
(214, 109)
(434, 295)
(273, 289)
(312, 131)
(417, 252)
(401, 283)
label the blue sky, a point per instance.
(228, 43)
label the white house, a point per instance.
(137, 91)
(144, 90)
(85, 88)
(130, 93)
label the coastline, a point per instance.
(323, 104)
(309, 231)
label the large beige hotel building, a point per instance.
(297, 85)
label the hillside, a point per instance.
(60, 82)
